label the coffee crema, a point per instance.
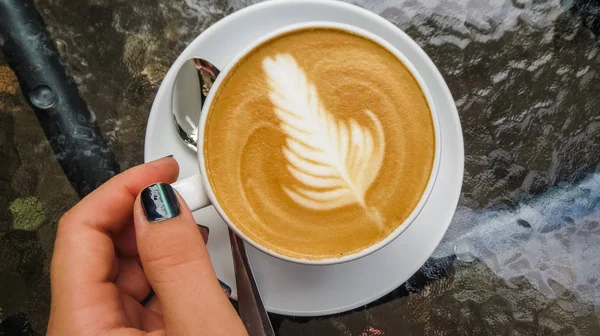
(319, 143)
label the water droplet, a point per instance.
(42, 97)
(61, 45)
(523, 223)
(465, 250)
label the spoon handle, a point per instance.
(251, 308)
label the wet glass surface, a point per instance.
(522, 255)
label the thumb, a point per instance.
(178, 268)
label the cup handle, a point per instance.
(192, 191)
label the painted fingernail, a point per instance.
(226, 289)
(148, 297)
(159, 202)
(204, 227)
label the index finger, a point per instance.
(107, 208)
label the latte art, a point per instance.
(318, 144)
(334, 161)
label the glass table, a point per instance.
(522, 255)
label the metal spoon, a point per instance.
(192, 84)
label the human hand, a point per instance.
(123, 240)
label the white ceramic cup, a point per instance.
(197, 192)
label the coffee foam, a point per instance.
(319, 144)
(334, 161)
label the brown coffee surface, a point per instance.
(319, 144)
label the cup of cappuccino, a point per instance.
(318, 144)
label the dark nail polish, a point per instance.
(204, 227)
(148, 297)
(225, 288)
(159, 202)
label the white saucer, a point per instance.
(303, 290)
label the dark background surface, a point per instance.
(522, 256)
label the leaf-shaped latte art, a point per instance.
(334, 161)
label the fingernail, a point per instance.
(159, 202)
(226, 289)
(204, 227)
(148, 297)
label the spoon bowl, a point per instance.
(192, 84)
